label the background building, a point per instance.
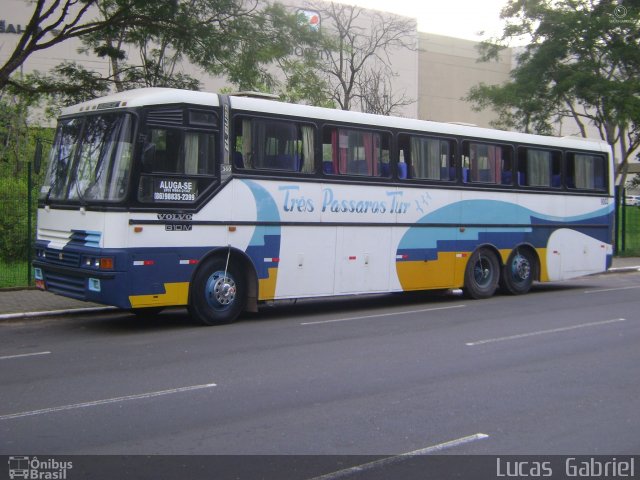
(435, 75)
(448, 68)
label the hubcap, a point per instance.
(482, 271)
(220, 290)
(520, 267)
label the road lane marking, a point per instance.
(611, 289)
(23, 355)
(107, 401)
(335, 320)
(544, 332)
(443, 446)
(384, 462)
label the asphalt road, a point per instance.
(556, 371)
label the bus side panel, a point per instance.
(427, 254)
(164, 255)
(264, 247)
(362, 259)
(307, 261)
(584, 246)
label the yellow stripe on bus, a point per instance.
(175, 294)
(440, 273)
(267, 286)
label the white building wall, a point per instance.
(448, 68)
(16, 13)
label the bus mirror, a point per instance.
(37, 157)
(148, 156)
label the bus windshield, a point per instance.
(90, 159)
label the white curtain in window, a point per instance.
(433, 159)
(538, 168)
(425, 154)
(307, 150)
(584, 168)
(191, 153)
(418, 158)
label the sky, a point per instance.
(454, 18)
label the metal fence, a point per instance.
(628, 224)
(17, 226)
(18, 206)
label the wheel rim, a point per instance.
(482, 272)
(220, 290)
(520, 268)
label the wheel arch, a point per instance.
(491, 247)
(242, 259)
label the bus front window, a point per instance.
(91, 159)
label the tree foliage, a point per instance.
(356, 48)
(251, 44)
(582, 62)
(53, 22)
(233, 38)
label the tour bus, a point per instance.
(160, 197)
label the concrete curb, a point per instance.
(624, 269)
(53, 313)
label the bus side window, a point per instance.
(273, 145)
(178, 162)
(539, 168)
(355, 152)
(586, 171)
(162, 150)
(486, 163)
(427, 158)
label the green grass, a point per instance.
(14, 274)
(632, 233)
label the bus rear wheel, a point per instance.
(218, 292)
(482, 274)
(517, 276)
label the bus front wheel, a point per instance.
(482, 274)
(218, 292)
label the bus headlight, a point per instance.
(103, 263)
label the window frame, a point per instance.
(556, 155)
(454, 158)
(509, 147)
(568, 177)
(386, 137)
(147, 180)
(299, 124)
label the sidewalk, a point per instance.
(30, 302)
(27, 303)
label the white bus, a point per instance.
(162, 197)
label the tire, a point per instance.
(216, 299)
(482, 274)
(517, 275)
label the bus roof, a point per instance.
(401, 123)
(166, 96)
(145, 96)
